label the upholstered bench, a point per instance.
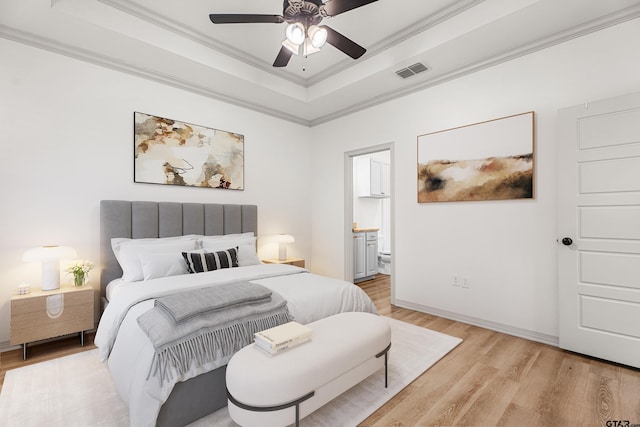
(278, 390)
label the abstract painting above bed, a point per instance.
(177, 153)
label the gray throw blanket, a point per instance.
(186, 305)
(207, 335)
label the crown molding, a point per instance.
(540, 44)
(115, 64)
(399, 37)
(173, 26)
(145, 73)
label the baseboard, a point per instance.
(5, 346)
(494, 326)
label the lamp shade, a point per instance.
(285, 238)
(50, 257)
(295, 33)
(293, 48)
(317, 35)
(308, 48)
(45, 253)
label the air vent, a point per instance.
(412, 70)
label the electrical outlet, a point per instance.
(464, 281)
(455, 280)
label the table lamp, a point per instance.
(283, 239)
(50, 257)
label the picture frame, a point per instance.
(172, 152)
(490, 160)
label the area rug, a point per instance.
(78, 391)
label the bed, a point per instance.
(141, 243)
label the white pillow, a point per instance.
(128, 253)
(246, 244)
(247, 255)
(162, 264)
(118, 242)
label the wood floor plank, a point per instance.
(461, 397)
(492, 403)
(516, 415)
(629, 386)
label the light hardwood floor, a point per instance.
(491, 379)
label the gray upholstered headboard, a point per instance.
(136, 220)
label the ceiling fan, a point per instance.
(304, 35)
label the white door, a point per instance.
(599, 229)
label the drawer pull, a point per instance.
(55, 305)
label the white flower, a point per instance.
(80, 266)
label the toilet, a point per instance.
(384, 262)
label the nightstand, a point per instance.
(298, 262)
(40, 314)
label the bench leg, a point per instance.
(297, 415)
(295, 403)
(385, 354)
(385, 370)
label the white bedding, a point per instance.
(129, 352)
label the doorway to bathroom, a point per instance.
(369, 213)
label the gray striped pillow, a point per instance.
(200, 262)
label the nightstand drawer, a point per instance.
(30, 321)
(38, 304)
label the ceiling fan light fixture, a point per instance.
(317, 36)
(295, 33)
(309, 48)
(293, 48)
(304, 32)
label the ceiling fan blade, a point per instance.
(231, 18)
(344, 44)
(336, 7)
(283, 57)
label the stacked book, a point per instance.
(282, 337)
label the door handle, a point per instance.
(567, 241)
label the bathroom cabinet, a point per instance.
(365, 255)
(373, 178)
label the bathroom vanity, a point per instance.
(365, 254)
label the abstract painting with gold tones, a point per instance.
(491, 160)
(176, 153)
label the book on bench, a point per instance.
(282, 337)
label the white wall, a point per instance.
(507, 249)
(66, 142)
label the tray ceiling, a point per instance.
(176, 43)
